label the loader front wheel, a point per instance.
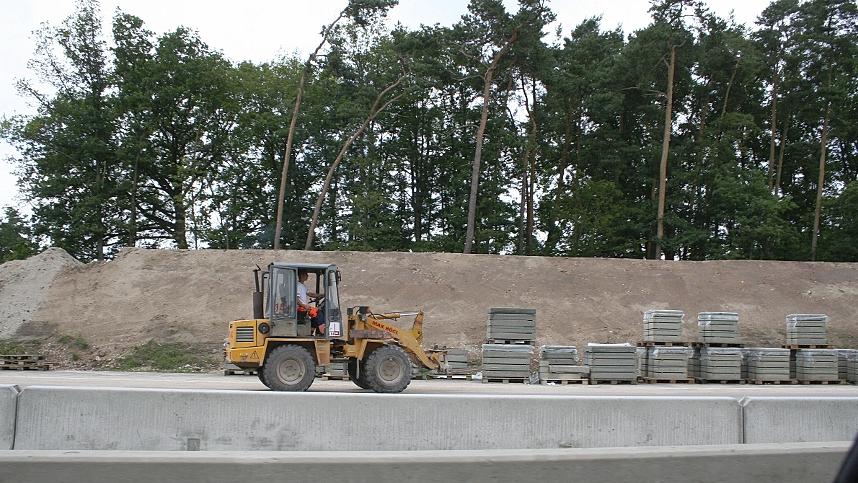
(357, 373)
(288, 368)
(388, 369)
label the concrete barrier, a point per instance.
(8, 405)
(150, 419)
(800, 419)
(781, 463)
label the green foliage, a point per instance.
(161, 141)
(16, 239)
(77, 342)
(165, 357)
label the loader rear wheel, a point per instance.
(288, 368)
(388, 369)
(357, 373)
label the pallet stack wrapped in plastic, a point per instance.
(807, 329)
(768, 364)
(506, 362)
(559, 363)
(457, 361)
(852, 369)
(511, 325)
(611, 362)
(640, 355)
(337, 370)
(720, 364)
(668, 363)
(843, 356)
(816, 365)
(663, 325)
(694, 363)
(718, 328)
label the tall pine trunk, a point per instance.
(665, 148)
(484, 114)
(820, 183)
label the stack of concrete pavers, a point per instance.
(718, 327)
(852, 369)
(611, 362)
(843, 356)
(560, 363)
(720, 364)
(512, 325)
(816, 365)
(768, 364)
(640, 355)
(694, 363)
(506, 361)
(337, 370)
(457, 361)
(807, 329)
(745, 352)
(663, 325)
(668, 363)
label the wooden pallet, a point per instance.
(652, 343)
(613, 381)
(240, 372)
(764, 381)
(21, 357)
(821, 382)
(654, 380)
(465, 377)
(510, 341)
(717, 344)
(332, 377)
(564, 382)
(506, 380)
(700, 380)
(806, 346)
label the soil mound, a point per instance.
(24, 285)
(190, 296)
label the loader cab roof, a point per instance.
(310, 267)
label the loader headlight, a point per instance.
(264, 328)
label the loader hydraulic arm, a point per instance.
(410, 339)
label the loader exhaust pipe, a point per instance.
(258, 311)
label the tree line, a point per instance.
(694, 138)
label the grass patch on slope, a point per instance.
(167, 357)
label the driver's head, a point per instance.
(303, 276)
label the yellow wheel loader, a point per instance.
(286, 343)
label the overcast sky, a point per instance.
(260, 31)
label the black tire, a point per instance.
(288, 368)
(357, 376)
(260, 373)
(388, 369)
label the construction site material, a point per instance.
(234, 370)
(807, 329)
(720, 364)
(337, 370)
(611, 362)
(513, 325)
(767, 463)
(816, 365)
(506, 362)
(718, 328)
(852, 370)
(457, 361)
(8, 410)
(843, 356)
(668, 363)
(800, 419)
(24, 362)
(641, 358)
(767, 364)
(74, 418)
(560, 363)
(663, 325)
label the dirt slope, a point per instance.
(192, 295)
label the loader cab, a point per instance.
(281, 304)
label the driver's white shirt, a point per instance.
(302, 293)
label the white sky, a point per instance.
(260, 30)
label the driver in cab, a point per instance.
(304, 306)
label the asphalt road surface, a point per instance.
(217, 381)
